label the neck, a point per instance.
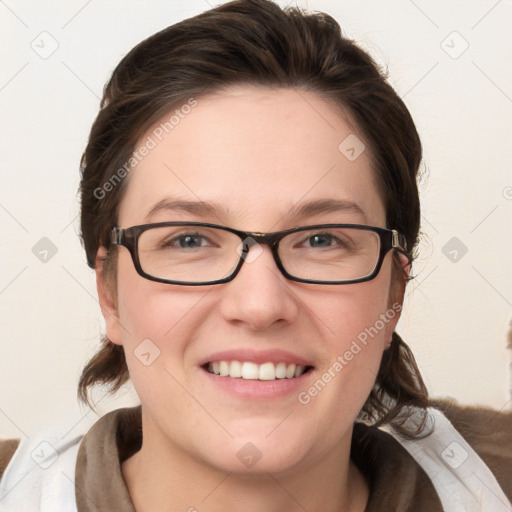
(171, 479)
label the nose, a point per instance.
(259, 296)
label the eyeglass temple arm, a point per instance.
(398, 241)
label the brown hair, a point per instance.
(253, 42)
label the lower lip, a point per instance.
(259, 389)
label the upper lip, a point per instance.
(256, 356)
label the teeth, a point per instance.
(249, 371)
(223, 368)
(299, 370)
(280, 370)
(235, 369)
(290, 371)
(267, 371)
(252, 371)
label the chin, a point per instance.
(257, 455)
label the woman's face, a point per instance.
(256, 154)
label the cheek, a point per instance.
(153, 339)
(154, 311)
(357, 331)
(358, 323)
(362, 311)
(360, 335)
(146, 308)
(157, 319)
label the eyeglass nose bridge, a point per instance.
(251, 239)
(257, 238)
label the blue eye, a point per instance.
(321, 240)
(327, 240)
(189, 241)
(185, 241)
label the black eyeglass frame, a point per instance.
(129, 237)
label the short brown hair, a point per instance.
(254, 42)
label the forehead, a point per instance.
(259, 154)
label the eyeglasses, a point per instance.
(196, 253)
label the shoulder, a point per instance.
(487, 431)
(30, 467)
(7, 449)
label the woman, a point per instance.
(249, 205)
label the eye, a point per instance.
(322, 240)
(186, 241)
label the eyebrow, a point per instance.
(320, 206)
(298, 211)
(199, 208)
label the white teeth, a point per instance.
(280, 370)
(235, 369)
(290, 371)
(299, 371)
(252, 371)
(267, 371)
(223, 368)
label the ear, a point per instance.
(396, 297)
(107, 299)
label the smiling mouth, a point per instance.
(252, 371)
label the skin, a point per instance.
(257, 152)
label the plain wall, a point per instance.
(457, 308)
